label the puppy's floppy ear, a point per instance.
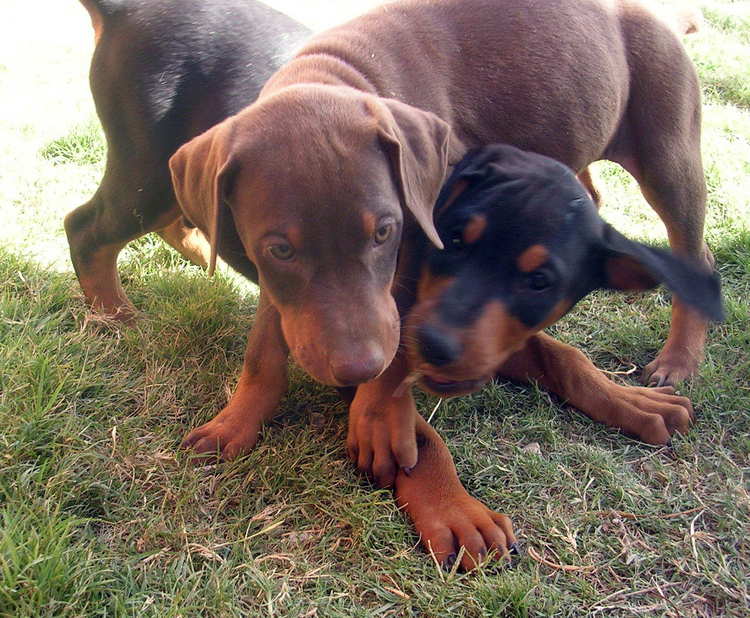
(630, 265)
(417, 143)
(201, 170)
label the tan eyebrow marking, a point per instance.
(368, 222)
(474, 229)
(294, 234)
(532, 258)
(457, 190)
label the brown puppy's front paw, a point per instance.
(380, 445)
(446, 517)
(669, 369)
(465, 522)
(227, 436)
(653, 415)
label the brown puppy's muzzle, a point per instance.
(344, 348)
(360, 363)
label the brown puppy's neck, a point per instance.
(318, 67)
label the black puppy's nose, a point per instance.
(436, 347)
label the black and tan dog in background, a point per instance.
(162, 73)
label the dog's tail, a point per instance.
(683, 20)
(689, 20)
(99, 10)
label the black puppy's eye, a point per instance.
(455, 239)
(538, 280)
(282, 251)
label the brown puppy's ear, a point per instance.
(417, 143)
(200, 172)
(630, 265)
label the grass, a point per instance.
(103, 515)
(82, 146)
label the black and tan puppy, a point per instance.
(162, 73)
(524, 243)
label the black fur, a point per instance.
(529, 199)
(164, 71)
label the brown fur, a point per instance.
(474, 229)
(651, 414)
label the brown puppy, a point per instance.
(357, 126)
(321, 180)
(650, 125)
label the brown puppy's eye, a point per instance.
(383, 233)
(282, 251)
(538, 281)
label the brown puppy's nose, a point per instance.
(364, 365)
(437, 347)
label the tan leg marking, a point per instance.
(651, 414)
(190, 242)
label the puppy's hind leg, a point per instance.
(660, 146)
(677, 192)
(121, 210)
(189, 241)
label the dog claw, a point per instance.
(657, 382)
(449, 562)
(408, 471)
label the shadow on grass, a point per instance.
(92, 418)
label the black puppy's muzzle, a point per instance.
(437, 347)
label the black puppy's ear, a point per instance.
(630, 265)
